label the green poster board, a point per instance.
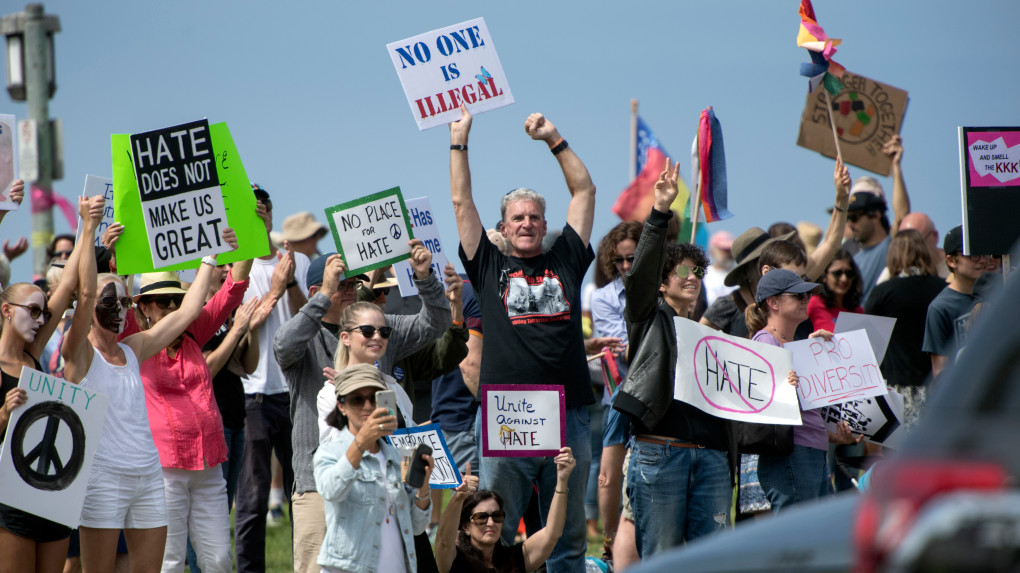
(371, 232)
(133, 254)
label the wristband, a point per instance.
(458, 147)
(458, 323)
(292, 284)
(838, 208)
(421, 498)
(563, 492)
(210, 261)
(560, 146)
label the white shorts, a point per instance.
(118, 501)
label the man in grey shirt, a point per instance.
(306, 344)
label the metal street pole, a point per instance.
(37, 93)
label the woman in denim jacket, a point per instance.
(371, 515)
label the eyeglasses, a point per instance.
(357, 400)
(34, 311)
(368, 331)
(838, 274)
(620, 260)
(163, 300)
(684, 271)
(482, 517)
(111, 301)
(801, 296)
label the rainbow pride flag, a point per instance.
(708, 167)
(822, 70)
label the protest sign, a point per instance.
(867, 114)
(879, 329)
(95, 185)
(733, 378)
(236, 203)
(990, 183)
(50, 443)
(423, 224)
(837, 370)
(522, 420)
(877, 418)
(445, 474)
(371, 232)
(8, 161)
(441, 69)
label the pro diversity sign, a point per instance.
(837, 370)
(523, 420)
(371, 232)
(51, 441)
(990, 183)
(733, 378)
(174, 190)
(444, 68)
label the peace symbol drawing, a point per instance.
(43, 465)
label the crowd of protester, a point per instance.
(281, 357)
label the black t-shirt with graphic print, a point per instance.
(531, 308)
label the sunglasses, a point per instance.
(620, 260)
(357, 400)
(368, 331)
(482, 517)
(34, 311)
(684, 271)
(61, 254)
(111, 301)
(163, 300)
(801, 296)
(381, 291)
(838, 274)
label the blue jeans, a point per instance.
(598, 417)
(677, 494)
(512, 478)
(800, 476)
(231, 469)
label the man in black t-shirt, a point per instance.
(531, 309)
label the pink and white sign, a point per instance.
(994, 158)
(836, 371)
(733, 378)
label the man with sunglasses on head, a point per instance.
(306, 344)
(679, 479)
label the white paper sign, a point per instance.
(878, 417)
(8, 160)
(445, 474)
(836, 370)
(48, 450)
(522, 420)
(879, 329)
(95, 185)
(423, 221)
(371, 232)
(733, 378)
(444, 68)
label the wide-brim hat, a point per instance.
(302, 225)
(166, 282)
(356, 377)
(747, 248)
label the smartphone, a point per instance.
(416, 473)
(386, 399)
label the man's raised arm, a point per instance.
(469, 224)
(581, 212)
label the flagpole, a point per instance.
(832, 124)
(694, 215)
(633, 139)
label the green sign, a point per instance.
(371, 232)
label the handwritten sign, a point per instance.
(8, 160)
(879, 329)
(877, 418)
(990, 183)
(371, 232)
(733, 378)
(837, 370)
(445, 474)
(48, 450)
(95, 185)
(236, 201)
(522, 420)
(425, 228)
(444, 68)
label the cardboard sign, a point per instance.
(877, 418)
(95, 185)
(371, 232)
(445, 474)
(48, 450)
(733, 378)
(423, 224)
(837, 370)
(444, 68)
(523, 420)
(867, 113)
(990, 183)
(879, 329)
(8, 160)
(236, 198)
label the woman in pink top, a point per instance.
(841, 292)
(185, 421)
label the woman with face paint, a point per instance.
(28, 542)
(126, 487)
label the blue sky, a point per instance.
(319, 117)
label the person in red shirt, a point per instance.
(841, 292)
